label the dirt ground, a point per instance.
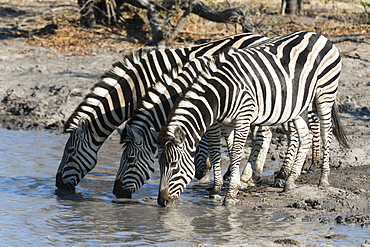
(42, 83)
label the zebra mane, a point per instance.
(200, 78)
(107, 82)
(157, 90)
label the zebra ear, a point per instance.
(129, 131)
(133, 135)
(179, 135)
(121, 128)
(120, 131)
(155, 134)
(82, 124)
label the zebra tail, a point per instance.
(338, 130)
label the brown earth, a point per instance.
(45, 76)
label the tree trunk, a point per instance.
(87, 13)
(291, 7)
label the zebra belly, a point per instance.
(280, 113)
(266, 121)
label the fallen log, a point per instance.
(160, 36)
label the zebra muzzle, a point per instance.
(63, 186)
(164, 198)
(119, 191)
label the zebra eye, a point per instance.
(124, 146)
(70, 150)
(173, 164)
(131, 159)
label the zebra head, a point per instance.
(202, 164)
(79, 157)
(137, 160)
(176, 167)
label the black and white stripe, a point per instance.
(113, 100)
(265, 85)
(140, 135)
(139, 139)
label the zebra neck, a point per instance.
(193, 130)
(98, 134)
(147, 133)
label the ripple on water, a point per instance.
(33, 214)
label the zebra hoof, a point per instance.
(279, 183)
(230, 201)
(215, 196)
(324, 184)
(246, 185)
(289, 187)
(215, 192)
(226, 176)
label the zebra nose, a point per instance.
(163, 198)
(199, 174)
(63, 186)
(119, 192)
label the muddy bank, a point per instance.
(41, 87)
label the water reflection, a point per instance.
(33, 213)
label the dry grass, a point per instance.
(330, 18)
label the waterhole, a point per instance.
(31, 213)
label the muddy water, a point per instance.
(31, 213)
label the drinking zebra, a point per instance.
(139, 138)
(265, 85)
(113, 100)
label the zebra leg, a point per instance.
(326, 128)
(202, 164)
(314, 125)
(261, 138)
(304, 146)
(242, 127)
(214, 141)
(228, 134)
(293, 142)
(247, 174)
(305, 163)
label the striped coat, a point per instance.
(265, 85)
(114, 99)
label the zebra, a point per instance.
(141, 131)
(140, 134)
(265, 85)
(139, 141)
(115, 97)
(139, 145)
